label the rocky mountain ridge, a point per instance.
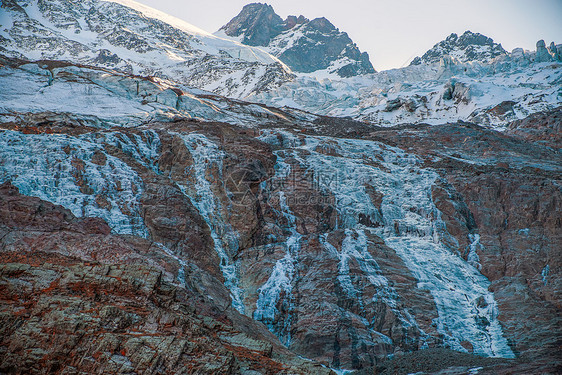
(467, 47)
(304, 45)
(511, 87)
(473, 86)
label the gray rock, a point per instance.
(257, 22)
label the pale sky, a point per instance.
(394, 31)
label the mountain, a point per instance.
(468, 47)
(150, 226)
(133, 38)
(491, 94)
(304, 45)
(349, 242)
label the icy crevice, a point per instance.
(473, 259)
(52, 167)
(208, 160)
(544, 273)
(279, 287)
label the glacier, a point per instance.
(62, 170)
(410, 224)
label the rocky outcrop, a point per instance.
(543, 54)
(304, 45)
(76, 299)
(467, 47)
(257, 24)
(543, 127)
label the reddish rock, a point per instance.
(541, 127)
(75, 299)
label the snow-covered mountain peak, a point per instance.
(467, 47)
(304, 45)
(133, 38)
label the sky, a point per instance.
(393, 32)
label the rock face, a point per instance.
(304, 45)
(542, 127)
(468, 47)
(347, 242)
(256, 23)
(76, 299)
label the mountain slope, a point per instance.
(76, 298)
(304, 45)
(133, 38)
(346, 247)
(491, 94)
